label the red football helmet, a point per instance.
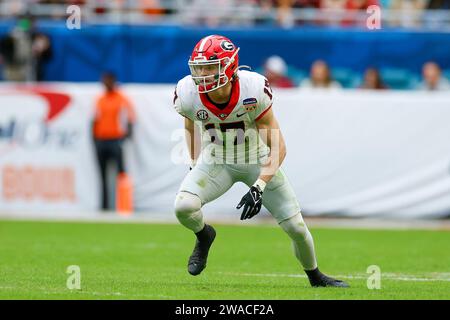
(213, 62)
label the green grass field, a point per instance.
(148, 261)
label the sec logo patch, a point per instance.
(202, 115)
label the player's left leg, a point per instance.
(280, 199)
(203, 184)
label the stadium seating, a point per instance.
(346, 77)
(446, 73)
(399, 79)
(296, 75)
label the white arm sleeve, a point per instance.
(177, 103)
(183, 98)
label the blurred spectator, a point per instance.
(217, 12)
(275, 71)
(332, 19)
(42, 53)
(438, 4)
(333, 4)
(432, 79)
(284, 13)
(353, 6)
(372, 80)
(306, 3)
(266, 7)
(110, 129)
(152, 8)
(320, 77)
(15, 50)
(409, 12)
(360, 4)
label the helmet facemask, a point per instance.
(209, 75)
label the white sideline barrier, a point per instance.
(350, 153)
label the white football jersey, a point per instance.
(229, 134)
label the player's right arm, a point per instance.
(183, 105)
(193, 140)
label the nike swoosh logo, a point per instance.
(240, 115)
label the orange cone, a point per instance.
(124, 195)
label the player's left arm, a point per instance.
(270, 133)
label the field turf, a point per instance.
(148, 261)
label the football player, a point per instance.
(229, 106)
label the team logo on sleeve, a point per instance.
(202, 115)
(249, 104)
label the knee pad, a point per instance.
(187, 203)
(295, 227)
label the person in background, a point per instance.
(438, 4)
(320, 77)
(42, 53)
(372, 80)
(15, 52)
(354, 9)
(337, 6)
(432, 79)
(113, 123)
(333, 4)
(409, 13)
(275, 71)
(360, 4)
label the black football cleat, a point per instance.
(318, 279)
(197, 260)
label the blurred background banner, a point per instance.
(45, 152)
(159, 54)
(352, 153)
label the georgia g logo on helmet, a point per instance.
(213, 63)
(227, 45)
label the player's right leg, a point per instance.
(280, 199)
(303, 245)
(204, 183)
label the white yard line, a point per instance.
(387, 276)
(226, 219)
